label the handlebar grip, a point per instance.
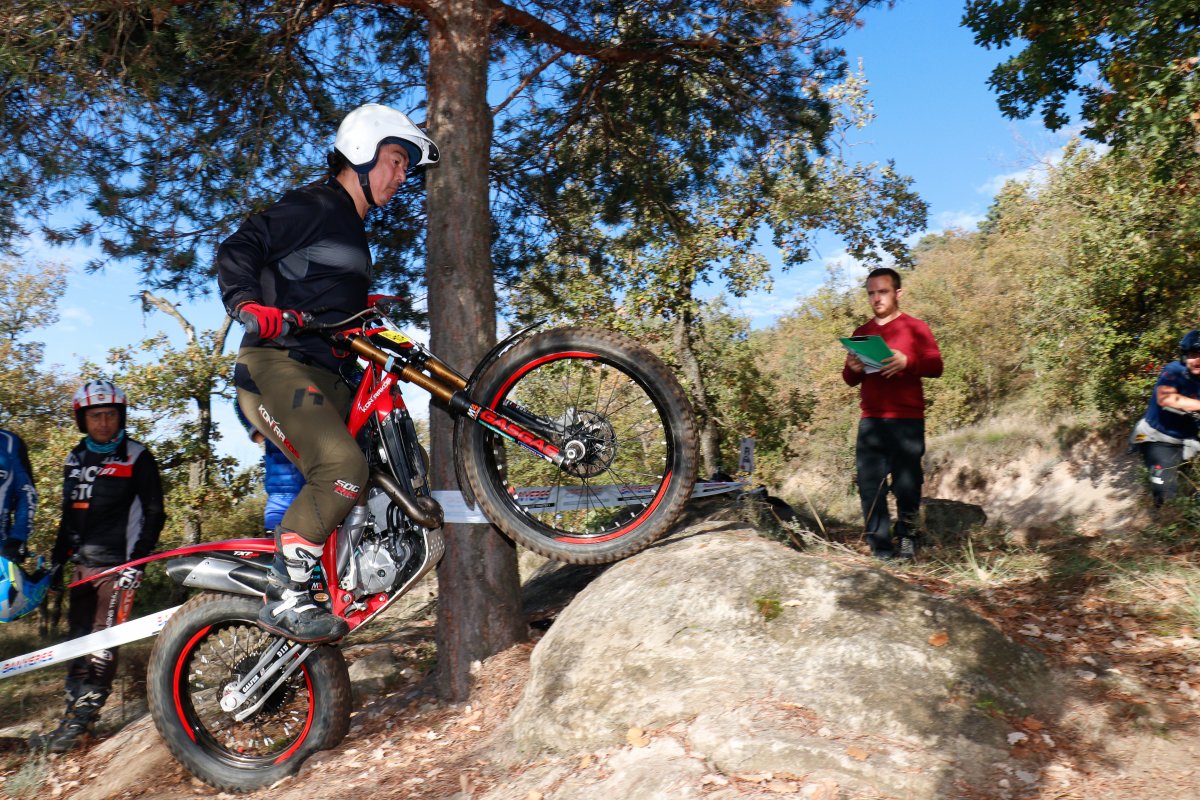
(291, 320)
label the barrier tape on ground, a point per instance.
(117, 635)
(572, 498)
(561, 498)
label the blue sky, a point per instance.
(935, 117)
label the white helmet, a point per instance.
(367, 127)
(98, 393)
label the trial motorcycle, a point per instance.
(577, 443)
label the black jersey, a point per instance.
(308, 251)
(112, 506)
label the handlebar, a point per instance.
(421, 368)
(292, 320)
(297, 321)
(1193, 414)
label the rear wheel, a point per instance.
(622, 421)
(209, 645)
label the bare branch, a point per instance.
(167, 307)
(527, 80)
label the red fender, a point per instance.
(266, 545)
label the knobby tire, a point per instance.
(200, 650)
(603, 391)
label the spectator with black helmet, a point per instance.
(309, 252)
(112, 514)
(18, 497)
(1167, 434)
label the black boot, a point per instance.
(41, 741)
(908, 544)
(290, 610)
(77, 723)
(880, 543)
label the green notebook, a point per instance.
(872, 350)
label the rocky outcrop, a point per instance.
(730, 653)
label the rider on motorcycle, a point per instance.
(308, 252)
(1168, 439)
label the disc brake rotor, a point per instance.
(589, 443)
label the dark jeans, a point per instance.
(889, 447)
(1162, 460)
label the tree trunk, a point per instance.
(198, 471)
(479, 600)
(710, 449)
(200, 467)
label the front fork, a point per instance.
(451, 390)
(244, 697)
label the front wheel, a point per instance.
(209, 645)
(625, 425)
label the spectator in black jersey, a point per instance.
(309, 252)
(112, 514)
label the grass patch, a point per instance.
(769, 607)
(1157, 586)
(981, 569)
(28, 780)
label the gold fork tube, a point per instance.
(439, 390)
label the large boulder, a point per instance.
(949, 521)
(757, 658)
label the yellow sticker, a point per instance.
(395, 336)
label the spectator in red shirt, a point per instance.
(891, 431)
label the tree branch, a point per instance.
(425, 9)
(526, 81)
(546, 33)
(167, 307)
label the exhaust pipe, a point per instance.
(425, 511)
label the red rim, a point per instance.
(622, 531)
(190, 728)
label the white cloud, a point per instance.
(957, 220)
(73, 319)
(1035, 173)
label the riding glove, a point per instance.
(268, 318)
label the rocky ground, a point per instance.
(1129, 729)
(1135, 705)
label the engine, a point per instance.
(375, 547)
(377, 567)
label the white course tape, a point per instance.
(564, 498)
(573, 498)
(100, 640)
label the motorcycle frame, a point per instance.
(377, 397)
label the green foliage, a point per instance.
(769, 606)
(1073, 295)
(972, 298)
(1110, 258)
(1132, 66)
(802, 348)
(657, 254)
(171, 391)
(35, 402)
(182, 116)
